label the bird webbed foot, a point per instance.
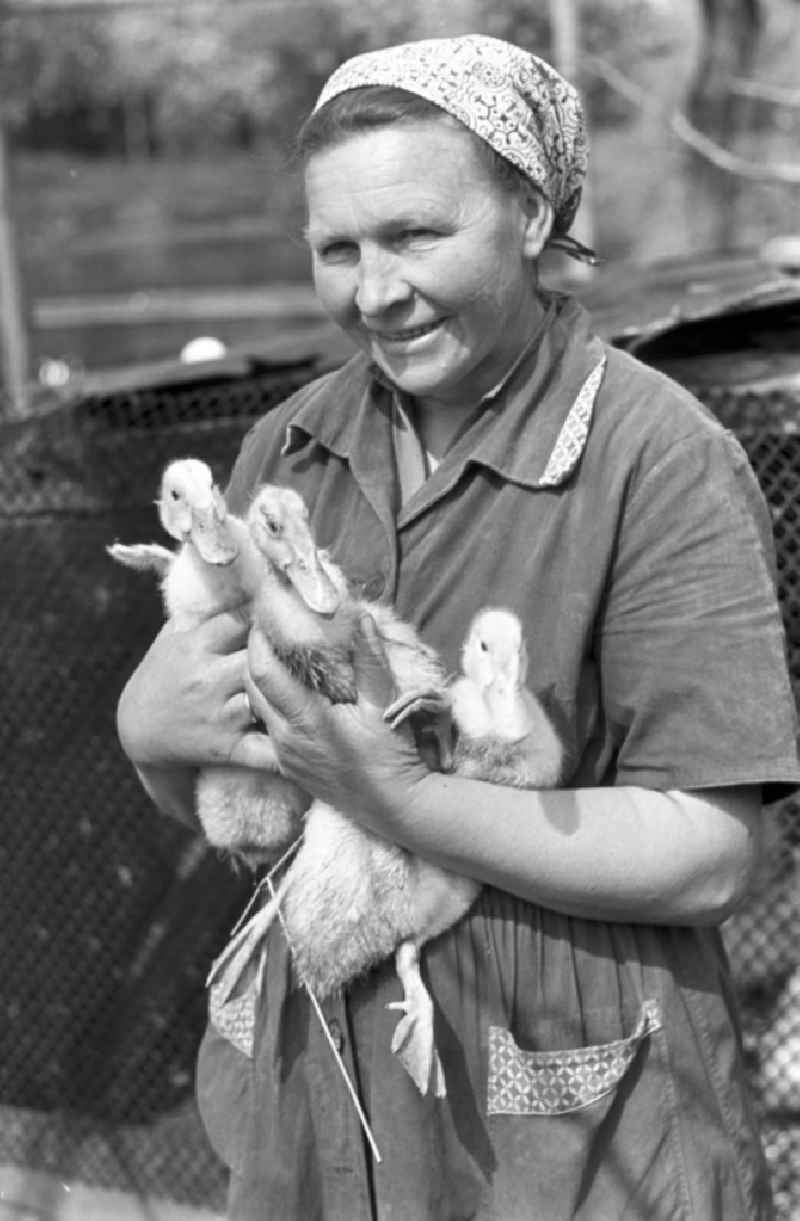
(428, 712)
(413, 1041)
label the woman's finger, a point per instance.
(254, 749)
(260, 709)
(230, 671)
(272, 688)
(225, 632)
(239, 709)
(373, 675)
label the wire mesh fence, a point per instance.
(111, 916)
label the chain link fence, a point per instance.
(111, 916)
(763, 940)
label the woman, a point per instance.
(485, 447)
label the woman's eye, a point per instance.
(418, 235)
(336, 252)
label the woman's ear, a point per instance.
(538, 221)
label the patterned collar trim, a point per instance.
(571, 440)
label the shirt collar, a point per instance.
(534, 424)
(327, 414)
(535, 428)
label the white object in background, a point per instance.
(204, 347)
(54, 372)
(783, 252)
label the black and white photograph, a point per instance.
(375, 848)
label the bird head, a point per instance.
(494, 653)
(278, 522)
(192, 509)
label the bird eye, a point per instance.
(273, 525)
(484, 646)
(174, 493)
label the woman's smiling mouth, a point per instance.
(407, 335)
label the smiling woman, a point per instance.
(426, 263)
(484, 448)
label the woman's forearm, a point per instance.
(618, 853)
(629, 854)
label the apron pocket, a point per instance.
(587, 1132)
(558, 1082)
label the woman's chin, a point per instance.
(422, 375)
(419, 384)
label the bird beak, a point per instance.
(306, 573)
(210, 536)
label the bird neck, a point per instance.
(286, 619)
(506, 708)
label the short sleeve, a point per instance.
(691, 645)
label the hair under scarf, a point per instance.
(511, 99)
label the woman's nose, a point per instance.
(380, 282)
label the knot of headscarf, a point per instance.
(514, 101)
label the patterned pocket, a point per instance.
(232, 1011)
(557, 1082)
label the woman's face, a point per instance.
(422, 258)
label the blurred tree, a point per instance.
(729, 47)
(366, 24)
(731, 32)
(133, 79)
(55, 79)
(176, 76)
(227, 73)
(621, 28)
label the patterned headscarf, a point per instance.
(514, 101)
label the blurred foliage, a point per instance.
(40, 73)
(146, 80)
(622, 30)
(142, 81)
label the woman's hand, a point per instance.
(343, 754)
(185, 705)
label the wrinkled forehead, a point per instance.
(403, 173)
(409, 143)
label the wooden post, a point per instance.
(13, 337)
(564, 25)
(729, 47)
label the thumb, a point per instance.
(270, 686)
(373, 672)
